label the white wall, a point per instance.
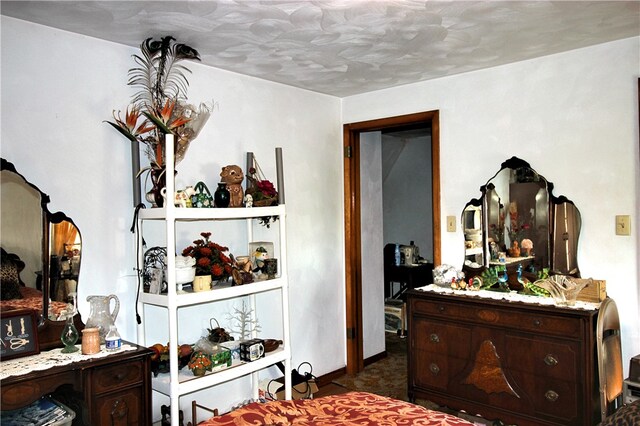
(408, 212)
(574, 118)
(372, 243)
(58, 87)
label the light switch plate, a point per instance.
(451, 224)
(623, 225)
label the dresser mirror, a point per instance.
(517, 220)
(44, 249)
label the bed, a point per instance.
(352, 408)
(32, 299)
(14, 293)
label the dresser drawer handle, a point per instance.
(550, 360)
(434, 369)
(441, 308)
(537, 323)
(434, 338)
(551, 396)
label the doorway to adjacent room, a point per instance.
(354, 133)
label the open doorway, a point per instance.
(354, 134)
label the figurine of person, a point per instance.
(259, 256)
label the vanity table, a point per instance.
(110, 390)
(523, 363)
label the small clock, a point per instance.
(18, 333)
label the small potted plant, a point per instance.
(211, 261)
(200, 363)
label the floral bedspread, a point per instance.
(353, 408)
(31, 299)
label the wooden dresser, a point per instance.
(114, 390)
(522, 363)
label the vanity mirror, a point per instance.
(41, 254)
(518, 221)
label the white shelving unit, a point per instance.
(178, 383)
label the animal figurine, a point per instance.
(183, 197)
(232, 175)
(248, 200)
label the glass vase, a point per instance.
(69, 336)
(222, 197)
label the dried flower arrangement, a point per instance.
(160, 106)
(210, 257)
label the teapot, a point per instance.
(99, 315)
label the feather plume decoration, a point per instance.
(159, 106)
(160, 75)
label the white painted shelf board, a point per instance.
(218, 293)
(189, 383)
(197, 214)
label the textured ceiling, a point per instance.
(345, 47)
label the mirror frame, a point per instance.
(48, 330)
(555, 202)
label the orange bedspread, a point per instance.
(353, 408)
(31, 299)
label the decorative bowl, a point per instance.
(563, 288)
(185, 275)
(271, 344)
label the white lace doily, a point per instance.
(512, 297)
(49, 359)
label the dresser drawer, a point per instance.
(124, 408)
(544, 358)
(441, 352)
(117, 376)
(439, 308)
(555, 400)
(442, 338)
(541, 323)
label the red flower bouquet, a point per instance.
(210, 257)
(261, 190)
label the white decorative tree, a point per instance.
(243, 322)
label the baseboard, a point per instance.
(325, 379)
(375, 358)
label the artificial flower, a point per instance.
(210, 257)
(162, 100)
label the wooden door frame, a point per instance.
(353, 255)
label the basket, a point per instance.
(259, 199)
(202, 198)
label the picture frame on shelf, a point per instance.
(19, 334)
